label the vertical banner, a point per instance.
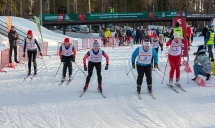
(9, 23)
(36, 19)
(182, 22)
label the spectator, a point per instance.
(204, 31)
(205, 66)
(13, 37)
(209, 41)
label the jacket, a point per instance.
(13, 37)
(204, 62)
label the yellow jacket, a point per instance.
(107, 33)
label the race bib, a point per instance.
(145, 58)
(31, 45)
(175, 48)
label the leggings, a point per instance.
(67, 64)
(174, 62)
(32, 57)
(141, 70)
(91, 65)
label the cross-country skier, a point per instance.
(205, 66)
(144, 55)
(32, 45)
(94, 57)
(67, 54)
(155, 43)
(174, 57)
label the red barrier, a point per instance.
(44, 49)
(1, 66)
(75, 44)
(20, 54)
(91, 41)
(85, 44)
(58, 47)
(5, 57)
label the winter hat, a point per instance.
(66, 40)
(95, 44)
(30, 32)
(210, 27)
(95, 41)
(177, 24)
(176, 35)
(201, 48)
(12, 26)
(146, 44)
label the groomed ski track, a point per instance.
(41, 102)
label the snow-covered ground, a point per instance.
(41, 103)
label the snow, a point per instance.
(48, 36)
(41, 102)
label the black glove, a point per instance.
(155, 65)
(133, 66)
(106, 67)
(41, 54)
(24, 55)
(73, 59)
(62, 60)
(85, 68)
(161, 48)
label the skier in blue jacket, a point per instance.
(144, 55)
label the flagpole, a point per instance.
(41, 19)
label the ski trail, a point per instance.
(59, 115)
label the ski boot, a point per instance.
(85, 87)
(35, 71)
(29, 72)
(100, 88)
(177, 82)
(208, 76)
(170, 83)
(63, 78)
(138, 88)
(194, 78)
(70, 77)
(150, 88)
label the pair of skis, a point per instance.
(98, 90)
(150, 93)
(178, 85)
(62, 81)
(31, 77)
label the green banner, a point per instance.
(111, 16)
(59, 17)
(38, 25)
(106, 16)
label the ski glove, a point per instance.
(41, 54)
(85, 68)
(62, 60)
(133, 66)
(155, 65)
(106, 67)
(73, 59)
(24, 55)
(161, 48)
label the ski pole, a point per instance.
(58, 69)
(129, 71)
(80, 69)
(25, 65)
(164, 70)
(44, 63)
